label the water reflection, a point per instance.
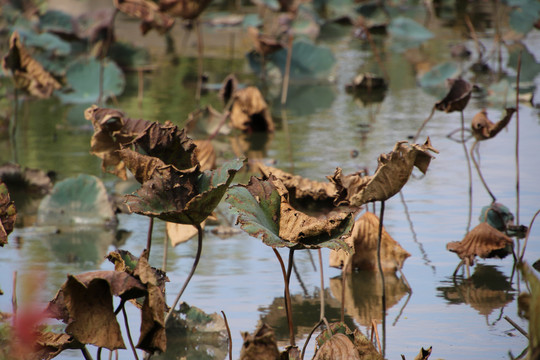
(363, 293)
(253, 146)
(486, 290)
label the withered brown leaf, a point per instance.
(457, 98)
(205, 154)
(264, 44)
(8, 214)
(339, 346)
(484, 241)
(483, 128)
(149, 12)
(364, 238)
(261, 345)
(185, 9)
(51, 344)
(392, 174)
(180, 233)
(250, 112)
(28, 73)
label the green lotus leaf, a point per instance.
(437, 76)
(524, 15)
(83, 76)
(264, 212)
(128, 56)
(46, 41)
(404, 28)
(56, 21)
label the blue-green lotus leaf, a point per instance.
(524, 15)
(529, 66)
(264, 212)
(407, 29)
(437, 76)
(83, 77)
(56, 21)
(496, 215)
(80, 200)
(46, 41)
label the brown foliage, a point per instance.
(457, 98)
(261, 345)
(205, 154)
(149, 12)
(185, 9)
(264, 44)
(484, 241)
(483, 128)
(8, 214)
(392, 174)
(364, 238)
(250, 112)
(28, 74)
(339, 346)
(50, 344)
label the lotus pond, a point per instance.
(321, 127)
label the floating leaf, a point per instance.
(438, 75)
(393, 171)
(483, 128)
(264, 211)
(179, 196)
(83, 77)
(457, 98)
(8, 214)
(80, 200)
(149, 12)
(404, 28)
(484, 241)
(250, 112)
(259, 345)
(364, 239)
(28, 74)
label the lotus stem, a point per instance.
(285, 85)
(99, 353)
(200, 46)
(518, 328)
(195, 263)
(149, 236)
(382, 275)
(376, 331)
(517, 137)
(468, 168)
(224, 117)
(423, 124)
(309, 338)
(288, 305)
(480, 172)
(85, 353)
(129, 333)
(527, 237)
(165, 251)
(228, 334)
(322, 284)
(14, 296)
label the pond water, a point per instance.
(315, 133)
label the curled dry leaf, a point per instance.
(339, 342)
(264, 211)
(8, 214)
(149, 12)
(250, 112)
(457, 98)
(363, 239)
(85, 303)
(484, 241)
(261, 345)
(338, 346)
(49, 345)
(424, 354)
(393, 171)
(483, 128)
(185, 9)
(299, 187)
(28, 74)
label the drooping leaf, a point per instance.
(339, 346)
(180, 233)
(339, 342)
(228, 88)
(457, 98)
(496, 215)
(149, 12)
(364, 239)
(483, 128)
(8, 214)
(185, 9)
(27, 73)
(259, 345)
(250, 112)
(393, 171)
(50, 344)
(205, 154)
(80, 200)
(27, 180)
(423, 354)
(264, 211)
(484, 241)
(83, 78)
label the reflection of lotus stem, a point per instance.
(517, 137)
(193, 268)
(468, 168)
(129, 333)
(285, 86)
(479, 172)
(228, 333)
(199, 61)
(423, 124)
(527, 237)
(149, 236)
(14, 296)
(288, 304)
(322, 284)
(518, 328)
(382, 275)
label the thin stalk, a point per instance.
(309, 337)
(527, 237)
(322, 284)
(14, 296)
(517, 137)
(285, 85)
(140, 88)
(518, 328)
(129, 333)
(382, 275)
(165, 251)
(376, 331)
(85, 353)
(228, 334)
(288, 305)
(200, 47)
(195, 263)
(149, 236)
(99, 353)
(423, 124)
(468, 168)
(226, 113)
(480, 172)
